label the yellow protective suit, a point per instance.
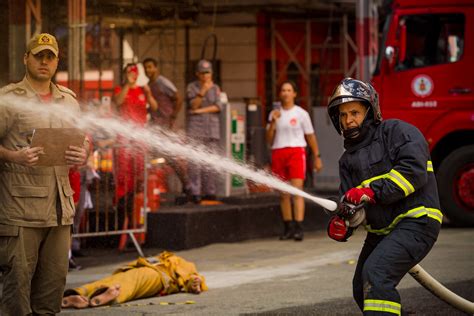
(161, 275)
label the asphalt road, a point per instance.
(272, 277)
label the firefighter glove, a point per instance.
(360, 195)
(338, 229)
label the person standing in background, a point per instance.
(131, 104)
(171, 102)
(36, 205)
(165, 93)
(203, 124)
(289, 129)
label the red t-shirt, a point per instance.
(75, 181)
(134, 105)
(46, 98)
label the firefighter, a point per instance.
(386, 166)
(36, 204)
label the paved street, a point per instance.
(271, 277)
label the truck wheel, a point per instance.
(456, 186)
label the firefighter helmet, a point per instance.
(349, 90)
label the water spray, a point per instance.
(166, 141)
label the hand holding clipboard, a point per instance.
(56, 144)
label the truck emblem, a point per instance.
(422, 86)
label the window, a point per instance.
(432, 39)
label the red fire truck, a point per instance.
(425, 75)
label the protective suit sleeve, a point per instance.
(408, 151)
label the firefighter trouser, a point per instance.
(34, 262)
(383, 262)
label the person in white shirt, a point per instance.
(289, 130)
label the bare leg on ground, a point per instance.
(76, 301)
(107, 297)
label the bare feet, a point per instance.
(194, 284)
(76, 301)
(106, 297)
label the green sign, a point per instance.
(237, 140)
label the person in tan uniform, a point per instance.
(36, 205)
(164, 274)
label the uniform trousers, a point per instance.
(202, 180)
(34, 262)
(383, 262)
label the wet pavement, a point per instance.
(272, 277)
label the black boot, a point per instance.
(288, 231)
(299, 235)
(73, 265)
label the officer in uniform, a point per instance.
(387, 166)
(36, 205)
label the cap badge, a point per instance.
(45, 40)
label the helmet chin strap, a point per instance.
(354, 132)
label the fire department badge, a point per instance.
(293, 122)
(45, 39)
(422, 86)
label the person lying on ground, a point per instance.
(164, 274)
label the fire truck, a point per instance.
(425, 76)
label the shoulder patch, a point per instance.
(12, 88)
(66, 90)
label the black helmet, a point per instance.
(349, 90)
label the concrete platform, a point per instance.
(239, 218)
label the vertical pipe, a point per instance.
(362, 21)
(83, 48)
(161, 35)
(274, 67)
(99, 44)
(27, 21)
(16, 39)
(39, 21)
(121, 38)
(134, 33)
(344, 51)
(186, 55)
(175, 69)
(308, 66)
(69, 42)
(360, 38)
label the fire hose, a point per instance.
(440, 291)
(356, 214)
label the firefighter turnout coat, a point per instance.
(394, 161)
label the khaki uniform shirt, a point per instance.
(28, 195)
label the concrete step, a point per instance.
(237, 219)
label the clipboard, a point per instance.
(55, 142)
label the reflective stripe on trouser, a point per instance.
(383, 262)
(382, 306)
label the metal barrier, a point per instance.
(119, 209)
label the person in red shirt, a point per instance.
(131, 104)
